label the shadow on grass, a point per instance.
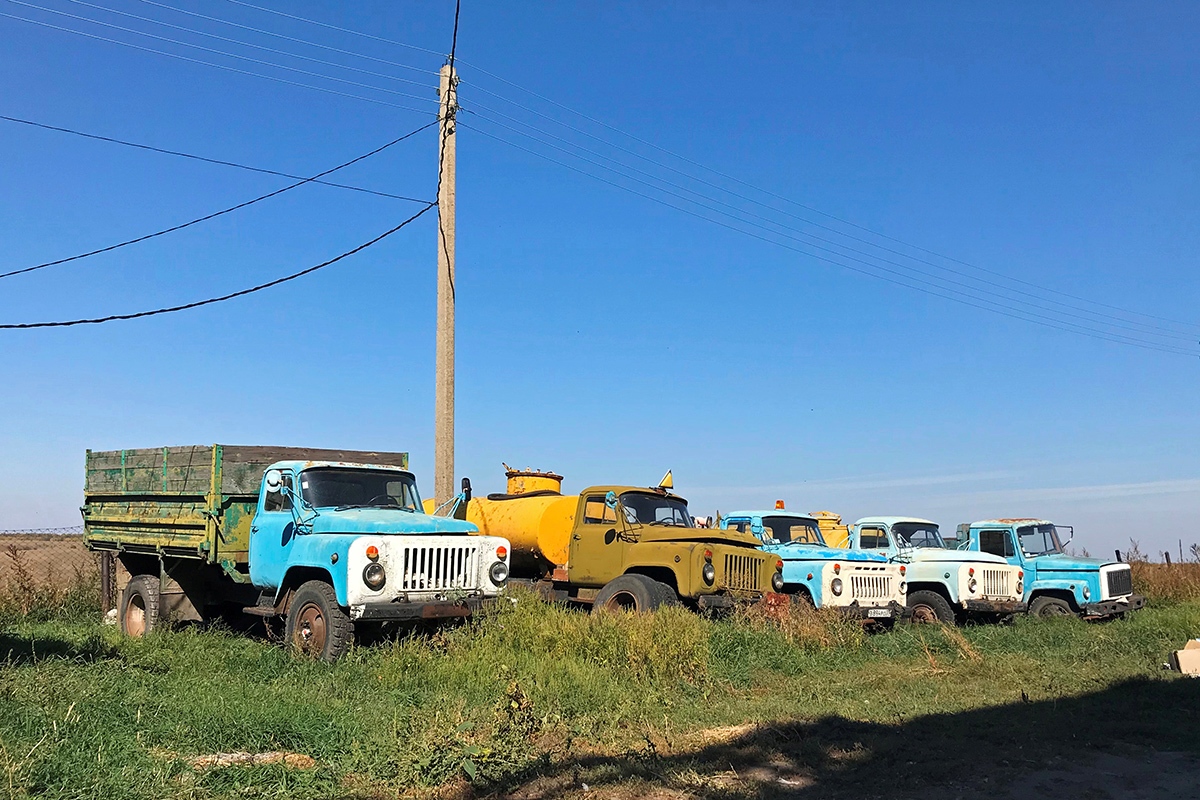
(934, 757)
(25, 650)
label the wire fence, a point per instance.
(48, 572)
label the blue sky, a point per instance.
(602, 334)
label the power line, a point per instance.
(308, 42)
(1123, 311)
(211, 64)
(206, 217)
(222, 298)
(221, 52)
(987, 296)
(1012, 313)
(206, 160)
(198, 32)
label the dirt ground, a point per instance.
(42, 555)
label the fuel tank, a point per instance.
(533, 515)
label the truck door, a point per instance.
(596, 553)
(999, 543)
(271, 535)
(873, 538)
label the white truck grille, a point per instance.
(995, 582)
(438, 567)
(870, 587)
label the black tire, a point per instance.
(141, 609)
(317, 626)
(666, 595)
(631, 593)
(928, 607)
(1047, 606)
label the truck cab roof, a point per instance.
(771, 513)
(297, 466)
(1010, 522)
(890, 521)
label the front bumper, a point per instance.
(398, 612)
(1110, 608)
(891, 611)
(995, 606)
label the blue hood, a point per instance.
(387, 521)
(1064, 562)
(808, 552)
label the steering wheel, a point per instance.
(387, 499)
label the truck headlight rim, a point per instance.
(374, 576)
(498, 572)
(972, 585)
(1087, 592)
(836, 586)
(709, 573)
(777, 581)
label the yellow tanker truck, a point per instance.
(621, 547)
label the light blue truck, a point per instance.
(948, 586)
(863, 585)
(1056, 584)
(324, 539)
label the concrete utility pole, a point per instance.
(443, 446)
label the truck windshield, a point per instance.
(655, 509)
(1038, 540)
(339, 487)
(790, 530)
(918, 534)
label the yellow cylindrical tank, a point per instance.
(833, 531)
(533, 516)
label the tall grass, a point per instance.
(1171, 583)
(73, 592)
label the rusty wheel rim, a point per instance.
(924, 615)
(135, 616)
(1054, 610)
(622, 601)
(309, 636)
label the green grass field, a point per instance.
(541, 700)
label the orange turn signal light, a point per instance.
(903, 569)
(971, 572)
(372, 552)
(708, 555)
(779, 564)
(837, 568)
(501, 552)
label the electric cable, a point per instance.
(228, 210)
(214, 65)
(452, 113)
(222, 298)
(937, 280)
(222, 52)
(206, 160)
(1012, 313)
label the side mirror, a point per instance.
(756, 530)
(273, 481)
(466, 489)
(610, 499)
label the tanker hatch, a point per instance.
(524, 481)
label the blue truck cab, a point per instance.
(948, 586)
(863, 585)
(1056, 584)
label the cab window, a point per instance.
(998, 543)
(595, 512)
(278, 501)
(872, 539)
(739, 525)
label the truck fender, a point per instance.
(664, 575)
(1057, 589)
(932, 586)
(293, 579)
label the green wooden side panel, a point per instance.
(195, 501)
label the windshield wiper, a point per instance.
(375, 505)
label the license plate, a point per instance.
(876, 613)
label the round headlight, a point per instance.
(374, 575)
(1020, 588)
(777, 581)
(903, 587)
(836, 586)
(709, 573)
(1087, 592)
(971, 585)
(498, 572)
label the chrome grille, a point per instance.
(1120, 582)
(870, 587)
(995, 582)
(439, 567)
(741, 572)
